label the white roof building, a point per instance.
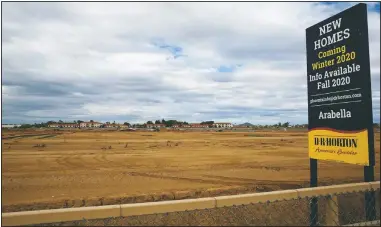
(10, 125)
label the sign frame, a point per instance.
(325, 40)
(340, 117)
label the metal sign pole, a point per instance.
(314, 200)
(370, 197)
(370, 200)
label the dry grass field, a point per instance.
(49, 169)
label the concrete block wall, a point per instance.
(124, 210)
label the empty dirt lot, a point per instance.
(48, 169)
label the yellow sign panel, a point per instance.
(341, 146)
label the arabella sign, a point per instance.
(339, 89)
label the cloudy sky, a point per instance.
(236, 62)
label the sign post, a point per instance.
(313, 183)
(340, 119)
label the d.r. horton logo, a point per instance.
(324, 143)
(336, 142)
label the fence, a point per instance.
(337, 205)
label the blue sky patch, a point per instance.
(228, 68)
(376, 7)
(176, 51)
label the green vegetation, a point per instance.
(169, 123)
(41, 125)
(207, 122)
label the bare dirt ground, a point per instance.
(49, 169)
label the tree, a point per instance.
(149, 123)
(26, 126)
(79, 121)
(157, 122)
(163, 121)
(285, 125)
(376, 125)
(114, 122)
(170, 123)
(126, 123)
(60, 121)
(207, 122)
(91, 121)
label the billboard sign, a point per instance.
(340, 119)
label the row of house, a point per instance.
(114, 125)
(76, 125)
(192, 125)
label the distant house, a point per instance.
(9, 125)
(123, 126)
(63, 125)
(110, 125)
(69, 125)
(150, 126)
(155, 126)
(222, 125)
(54, 125)
(90, 124)
(117, 125)
(197, 125)
(181, 126)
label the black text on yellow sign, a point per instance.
(348, 147)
